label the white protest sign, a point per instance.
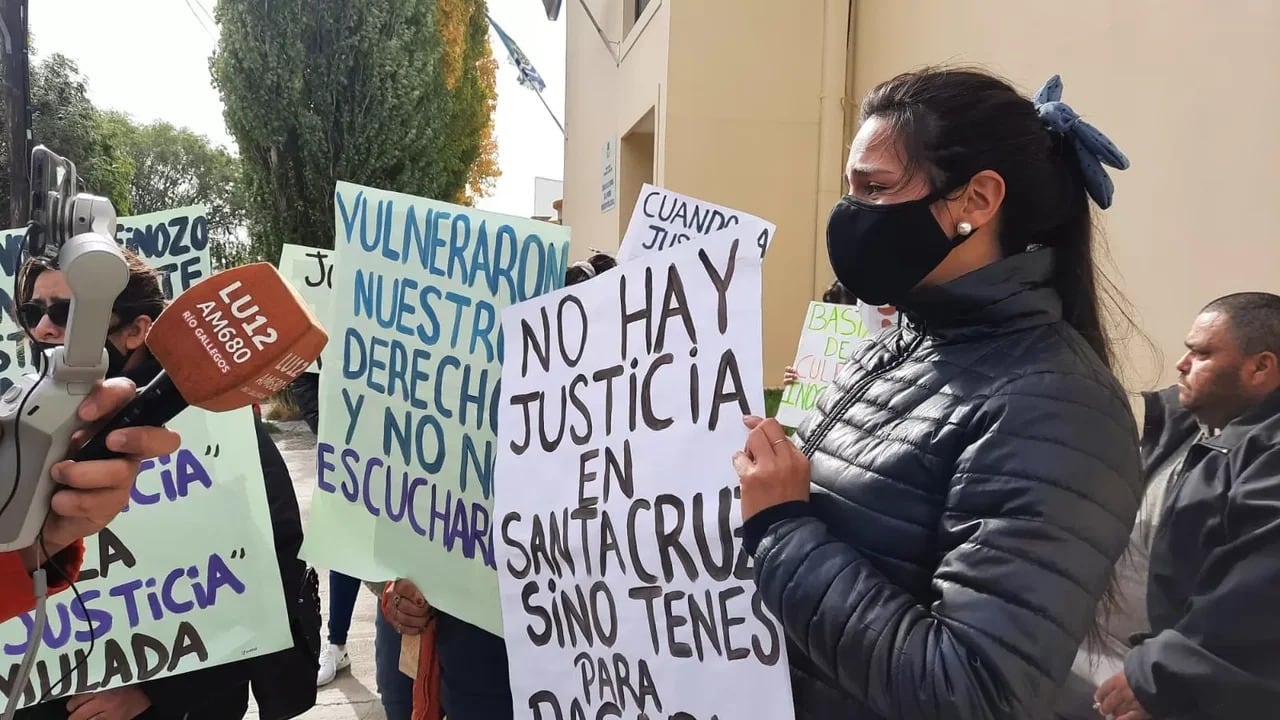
(664, 220)
(186, 578)
(830, 334)
(15, 350)
(624, 590)
(310, 271)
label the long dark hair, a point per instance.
(953, 123)
(838, 294)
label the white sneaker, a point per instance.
(332, 659)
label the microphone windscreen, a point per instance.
(236, 338)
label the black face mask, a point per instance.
(116, 360)
(37, 353)
(881, 252)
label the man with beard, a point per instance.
(1211, 451)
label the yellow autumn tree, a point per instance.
(317, 91)
(468, 66)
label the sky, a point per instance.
(150, 59)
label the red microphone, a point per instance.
(230, 341)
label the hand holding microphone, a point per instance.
(234, 339)
(94, 492)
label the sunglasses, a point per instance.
(31, 313)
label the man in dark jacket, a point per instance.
(1214, 584)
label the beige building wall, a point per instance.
(604, 102)
(743, 96)
(720, 99)
(1187, 89)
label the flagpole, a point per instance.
(552, 114)
(528, 75)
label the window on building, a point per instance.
(634, 9)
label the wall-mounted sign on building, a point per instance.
(609, 176)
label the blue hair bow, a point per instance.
(1093, 149)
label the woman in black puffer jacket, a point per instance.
(936, 541)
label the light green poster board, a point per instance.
(174, 242)
(310, 271)
(186, 578)
(410, 386)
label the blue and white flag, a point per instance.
(529, 76)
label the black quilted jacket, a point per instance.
(975, 476)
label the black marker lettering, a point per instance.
(721, 282)
(675, 304)
(645, 313)
(669, 539)
(728, 370)
(587, 505)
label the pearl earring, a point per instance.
(964, 229)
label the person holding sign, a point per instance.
(94, 493)
(939, 537)
(343, 589)
(837, 294)
(279, 680)
(462, 673)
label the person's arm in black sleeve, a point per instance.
(286, 518)
(306, 393)
(1222, 660)
(175, 694)
(284, 682)
(1039, 509)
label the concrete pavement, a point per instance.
(354, 694)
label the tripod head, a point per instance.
(72, 232)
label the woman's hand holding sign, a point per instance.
(406, 608)
(771, 470)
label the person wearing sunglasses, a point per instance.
(92, 492)
(213, 693)
(45, 304)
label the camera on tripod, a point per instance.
(74, 233)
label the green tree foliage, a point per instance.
(175, 167)
(472, 74)
(112, 169)
(318, 91)
(141, 168)
(64, 119)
